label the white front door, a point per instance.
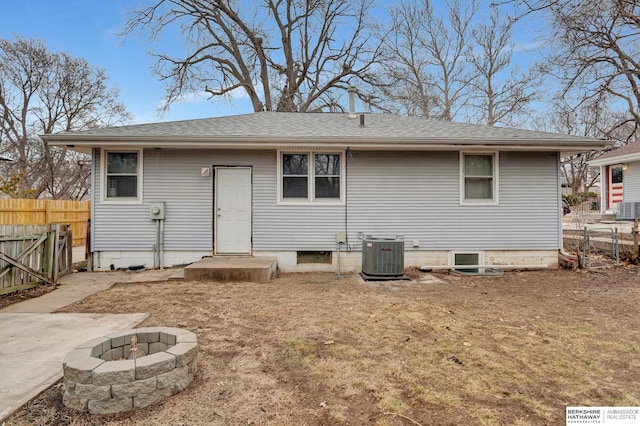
(233, 210)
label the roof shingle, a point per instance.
(288, 125)
(628, 149)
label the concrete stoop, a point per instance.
(229, 268)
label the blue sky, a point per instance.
(89, 28)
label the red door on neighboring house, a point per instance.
(615, 186)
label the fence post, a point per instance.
(47, 255)
(635, 254)
(47, 213)
(616, 246)
(69, 265)
(585, 243)
(88, 248)
(56, 252)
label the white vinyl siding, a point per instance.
(631, 186)
(173, 176)
(417, 195)
(414, 194)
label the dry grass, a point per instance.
(311, 349)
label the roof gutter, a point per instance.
(243, 142)
(615, 160)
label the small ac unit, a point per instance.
(382, 256)
(629, 211)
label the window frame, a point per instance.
(481, 259)
(104, 152)
(495, 180)
(311, 178)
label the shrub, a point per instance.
(571, 199)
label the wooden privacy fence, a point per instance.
(46, 212)
(33, 254)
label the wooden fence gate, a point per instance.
(33, 254)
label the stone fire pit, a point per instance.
(108, 375)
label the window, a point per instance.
(313, 257)
(462, 259)
(479, 177)
(295, 176)
(327, 175)
(616, 174)
(122, 175)
(310, 176)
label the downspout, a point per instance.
(344, 240)
(559, 208)
(346, 198)
(604, 184)
(93, 262)
(559, 201)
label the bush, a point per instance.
(586, 195)
(571, 199)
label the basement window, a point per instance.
(473, 259)
(462, 259)
(314, 257)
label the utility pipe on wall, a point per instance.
(161, 247)
(485, 267)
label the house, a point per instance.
(620, 176)
(289, 185)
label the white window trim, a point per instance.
(496, 173)
(103, 178)
(481, 259)
(311, 181)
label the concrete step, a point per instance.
(590, 217)
(232, 268)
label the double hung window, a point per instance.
(479, 177)
(122, 178)
(311, 177)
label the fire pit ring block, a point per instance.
(106, 375)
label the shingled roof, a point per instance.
(276, 129)
(628, 152)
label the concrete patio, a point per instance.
(35, 340)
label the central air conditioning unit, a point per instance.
(629, 211)
(382, 256)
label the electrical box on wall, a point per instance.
(156, 211)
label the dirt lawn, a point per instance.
(309, 349)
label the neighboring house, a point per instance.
(620, 176)
(286, 185)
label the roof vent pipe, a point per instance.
(361, 120)
(352, 101)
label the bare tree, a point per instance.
(593, 120)
(501, 92)
(44, 92)
(595, 47)
(287, 55)
(425, 58)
